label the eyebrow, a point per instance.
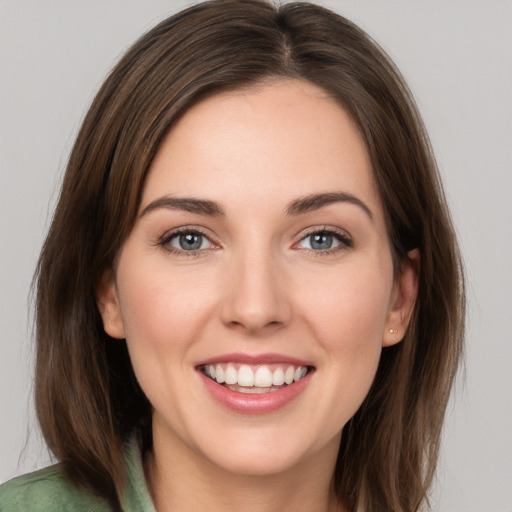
(297, 207)
(316, 201)
(187, 204)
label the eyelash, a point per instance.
(342, 237)
(344, 240)
(167, 238)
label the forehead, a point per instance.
(278, 140)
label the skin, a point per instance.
(256, 286)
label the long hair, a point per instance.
(87, 398)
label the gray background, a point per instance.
(457, 58)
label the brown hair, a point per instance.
(87, 398)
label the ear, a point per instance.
(108, 304)
(403, 297)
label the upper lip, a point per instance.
(255, 359)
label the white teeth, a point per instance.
(255, 391)
(219, 374)
(263, 377)
(278, 377)
(245, 376)
(289, 374)
(298, 374)
(231, 375)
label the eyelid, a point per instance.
(343, 237)
(165, 239)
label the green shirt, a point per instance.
(48, 490)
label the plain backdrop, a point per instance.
(457, 58)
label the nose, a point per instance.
(257, 298)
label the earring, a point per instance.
(393, 331)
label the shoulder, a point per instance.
(47, 490)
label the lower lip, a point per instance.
(255, 403)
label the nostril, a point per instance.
(255, 326)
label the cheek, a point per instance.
(159, 306)
(349, 307)
(346, 312)
(163, 315)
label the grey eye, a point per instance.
(190, 241)
(324, 241)
(321, 241)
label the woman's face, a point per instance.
(260, 256)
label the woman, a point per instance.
(251, 294)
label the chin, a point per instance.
(267, 452)
(257, 462)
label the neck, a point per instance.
(180, 480)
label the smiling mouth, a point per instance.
(263, 378)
